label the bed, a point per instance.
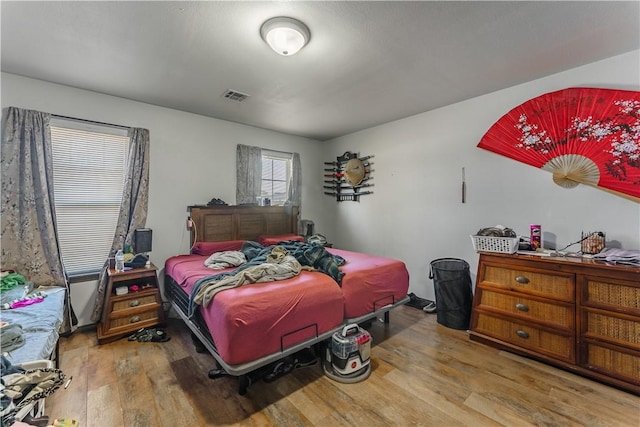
(251, 326)
(40, 324)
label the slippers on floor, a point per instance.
(304, 358)
(136, 334)
(155, 335)
(281, 369)
(217, 373)
(150, 335)
(420, 303)
(430, 307)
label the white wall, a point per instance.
(416, 214)
(192, 160)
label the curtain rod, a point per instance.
(89, 121)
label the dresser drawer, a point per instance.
(547, 311)
(133, 301)
(559, 286)
(611, 294)
(613, 362)
(538, 340)
(618, 329)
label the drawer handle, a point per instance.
(522, 307)
(522, 279)
(134, 303)
(134, 319)
(522, 334)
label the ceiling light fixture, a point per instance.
(286, 36)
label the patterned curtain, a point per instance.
(248, 174)
(294, 197)
(133, 211)
(29, 239)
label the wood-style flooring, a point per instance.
(423, 374)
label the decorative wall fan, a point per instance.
(581, 135)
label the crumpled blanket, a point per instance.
(278, 266)
(11, 336)
(226, 259)
(308, 255)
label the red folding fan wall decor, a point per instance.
(581, 135)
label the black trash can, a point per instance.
(454, 296)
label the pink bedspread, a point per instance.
(253, 321)
(249, 322)
(371, 282)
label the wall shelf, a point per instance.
(348, 178)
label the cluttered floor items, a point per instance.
(423, 304)
(301, 359)
(23, 389)
(149, 335)
(345, 359)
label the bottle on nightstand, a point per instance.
(119, 260)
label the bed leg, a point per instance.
(244, 381)
(386, 317)
(200, 348)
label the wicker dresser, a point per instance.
(577, 314)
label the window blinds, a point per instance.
(89, 166)
(275, 176)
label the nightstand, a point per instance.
(126, 313)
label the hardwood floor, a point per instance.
(423, 374)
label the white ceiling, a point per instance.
(367, 63)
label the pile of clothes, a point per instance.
(20, 387)
(11, 336)
(497, 231)
(258, 264)
(619, 256)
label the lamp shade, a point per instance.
(143, 237)
(285, 36)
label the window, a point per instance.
(276, 170)
(89, 167)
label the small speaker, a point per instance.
(143, 237)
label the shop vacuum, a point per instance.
(348, 358)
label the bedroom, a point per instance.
(418, 160)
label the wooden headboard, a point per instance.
(219, 223)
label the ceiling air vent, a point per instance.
(234, 95)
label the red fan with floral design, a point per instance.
(581, 135)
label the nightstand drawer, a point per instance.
(547, 311)
(528, 337)
(133, 301)
(558, 286)
(132, 319)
